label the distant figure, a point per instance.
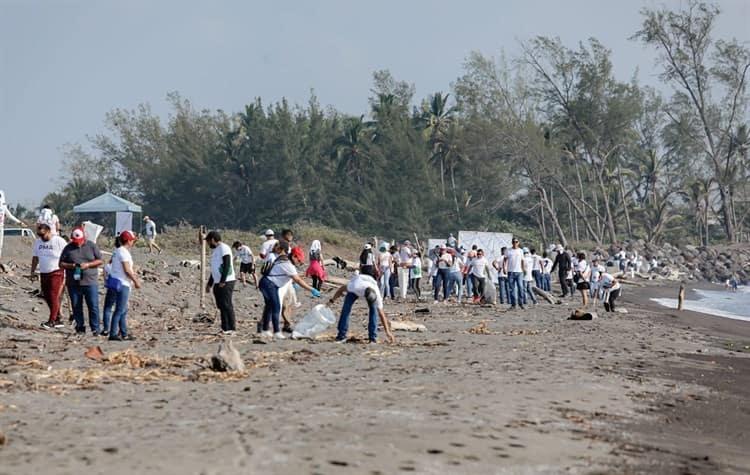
(451, 242)
(563, 265)
(405, 255)
(47, 216)
(267, 246)
(150, 233)
(222, 280)
(316, 269)
(367, 262)
(122, 270)
(5, 213)
(611, 290)
(247, 262)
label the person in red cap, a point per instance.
(122, 272)
(280, 272)
(81, 259)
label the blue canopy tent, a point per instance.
(107, 203)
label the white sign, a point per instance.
(123, 222)
(490, 243)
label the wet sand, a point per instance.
(483, 390)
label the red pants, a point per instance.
(52, 286)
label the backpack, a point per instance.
(268, 265)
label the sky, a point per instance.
(65, 63)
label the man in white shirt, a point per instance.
(46, 254)
(222, 280)
(502, 277)
(611, 288)
(546, 272)
(405, 257)
(597, 269)
(150, 233)
(514, 268)
(48, 217)
(365, 286)
(478, 271)
(266, 246)
(247, 262)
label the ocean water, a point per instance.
(720, 302)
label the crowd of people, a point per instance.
(454, 272)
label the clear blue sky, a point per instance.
(65, 63)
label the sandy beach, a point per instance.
(483, 390)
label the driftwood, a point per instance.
(341, 263)
(547, 296)
(407, 326)
(338, 281)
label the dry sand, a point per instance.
(483, 390)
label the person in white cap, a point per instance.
(367, 262)
(405, 258)
(150, 233)
(267, 246)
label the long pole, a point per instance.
(202, 291)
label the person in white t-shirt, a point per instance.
(405, 257)
(528, 276)
(362, 286)
(46, 254)
(48, 217)
(150, 233)
(514, 267)
(122, 270)
(222, 281)
(536, 270)
(546, 272)
(442, 276)
(478, 271)
(267, 246)
(582, 277)
(282, 271)
(5, 213)
(456, 274)
(611, 290)
(247, 262)
(502, 277)
(597, 269)
(385, 261)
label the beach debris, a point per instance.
(94, 352)
(546, 296)
(227, 358)
(480, 329)
(582, 315)
(422, 310)
(3, 439)
(176, 273)
(193, 264)
(407, 326)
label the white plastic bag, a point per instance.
(314, 322)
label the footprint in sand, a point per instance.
(434, 451)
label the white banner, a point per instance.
(123, 222)
(490, 243)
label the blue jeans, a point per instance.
(346, 310)
(442, 279)
(272, 308)
(109, 303)
(503, 291)
(456, 280)
(515, 288)
(119, 323)
(385, 277)
(530, 291)
(546, 282)
(89, 293)
(537, 275)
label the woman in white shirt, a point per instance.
(122, 270)
(582, 276)
(277, 275)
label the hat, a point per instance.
(443, 246)
(298, 253)
(269, 232)
(407, 242)
(367, 246)
(127, 236)
(78, 236)
(146, 218)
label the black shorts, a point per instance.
(248, 268)
(583, 285)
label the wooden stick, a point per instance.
(202, 290)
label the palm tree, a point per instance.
(435, 121)
(350, 150)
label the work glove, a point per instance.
(315, 292)
(296, 287)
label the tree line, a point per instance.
(548, 144)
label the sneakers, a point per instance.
(115, 338)
(129, 338)
(104, 333)
(476, 299)
(512, 307)
(48, 325)
(279, 336)
(227, 332)
(59, 324)
(521, 305)
(266, 334)
(343, 340)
